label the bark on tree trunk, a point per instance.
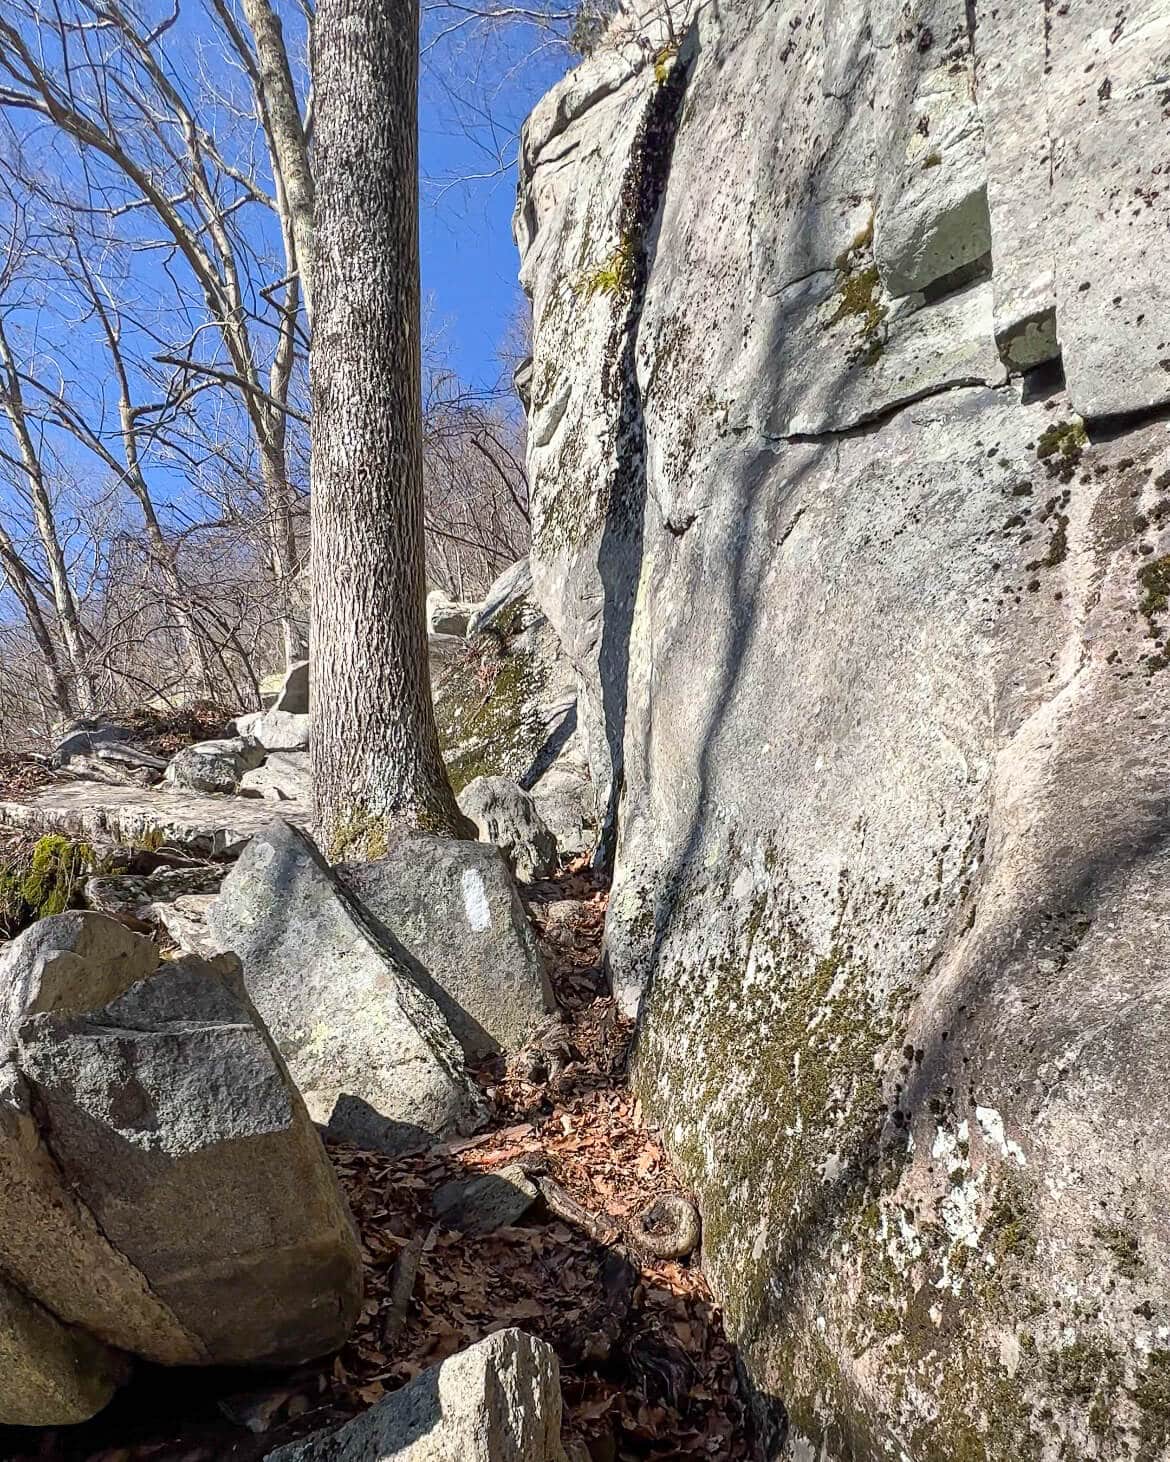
(286, 134)
(376, 758)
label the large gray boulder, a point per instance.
(369, 1050)
(284, 777)
(872, 636)
(454, 908)
(163, 1192)
(275, 730)
(172, 1119)
(214, 766)
(103, 751)
(506, 815)
(53, 1375)
(509, 590)
(500, 1401)
(68, 963)
(293, 695)
(446, 616)
(507, 706)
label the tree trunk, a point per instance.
(286, 135)
(20, 582)
(68, 617)
(376, 758)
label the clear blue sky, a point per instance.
(469, 263)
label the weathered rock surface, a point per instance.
(293, 696)
(507, 706)
(506, 815)
(135, 893)
(284, 777)
(88, 735)
(512, 586)
(872, 640)
(214, 766)
(185, 921)
(275, 730)
(173, 1120)
(68, 963)
(370, 1052)
(162, 1190)
(454, 908)
(500, 1401)
(212, 826)
(53, 1375)
(447, 616)
(482, 1205)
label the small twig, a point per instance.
(402, 1285)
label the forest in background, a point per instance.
(154, 342)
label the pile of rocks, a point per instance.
(163, 1191)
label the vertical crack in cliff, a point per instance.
(620, 551)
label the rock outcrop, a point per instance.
(506, 815)
(214, 766)
(163, 1192)
(500, 1401)
(506, 706)
(453, 907)
(368, 1049)
(851, 506)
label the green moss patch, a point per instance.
(43, 879)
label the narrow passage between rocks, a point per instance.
(646, 1370)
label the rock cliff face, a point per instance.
(851, 476)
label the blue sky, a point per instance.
(469, 262)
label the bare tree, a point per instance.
(39, 495)
(376, 757)
(97, 71)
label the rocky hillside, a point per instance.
(851, 479)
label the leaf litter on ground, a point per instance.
(646, 1369)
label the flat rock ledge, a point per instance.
(215, 826)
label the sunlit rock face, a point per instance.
(851, 483)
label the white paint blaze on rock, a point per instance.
(874, 627)
(451, 909)
(479, 915)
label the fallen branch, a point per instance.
(668, 1229)
(402, 1285)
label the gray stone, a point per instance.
(185, 921)
(214, 766)
(513, 585)
(447, 616)
(135, 893)
(293, 695)
(506, 815)
(52, 1248)
(515, 715)
(53, 1376)
(871, 640)
(275, 730)
(284, 777)
(454, 907)
(68, 963)
(119, 764)
(370, 1052)
(150, 817)
(500, 1401)
(84, 736)
(482, 1205)
(174, 1121)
